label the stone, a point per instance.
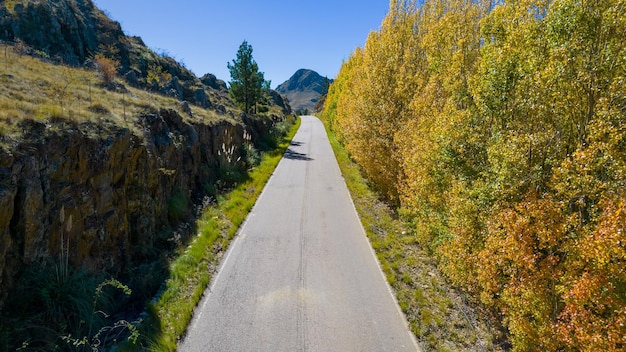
(201, 99)
(173, 88)
(132, 77)
(186, 108)
(172, 118)
(211, 81)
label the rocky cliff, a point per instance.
(110, 194)
(71, 30)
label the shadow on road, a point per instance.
(293, 155)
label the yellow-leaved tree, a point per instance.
(499, 128)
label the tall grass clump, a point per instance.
(251, 156)
(59, 308)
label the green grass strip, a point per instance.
(189, 274)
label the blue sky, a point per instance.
(286, 35)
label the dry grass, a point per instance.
(31, 88)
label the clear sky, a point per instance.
(286, 35)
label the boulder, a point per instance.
(201, 98)
(132, 77)
(173, 88)
(211, 81)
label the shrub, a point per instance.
(251, 157)
(278, 131)
(107, 68)
(157, 75)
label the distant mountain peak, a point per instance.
(304, 89)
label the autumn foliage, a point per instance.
(107, 68)
(499, 129)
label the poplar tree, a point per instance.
(246, 85)
(500, 128)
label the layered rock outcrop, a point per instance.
(105, 192)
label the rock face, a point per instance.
(68, 29)
(106, 192)
(211, 81)
(304, 89)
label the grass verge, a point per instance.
(439, 316)
(190, 273)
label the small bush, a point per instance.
(229, 174)
(251, 157)
(157, 75)
(107, 68)
(280, 129)
(210, 188)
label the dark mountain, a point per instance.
(304, 89)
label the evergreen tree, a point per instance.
(247, 83)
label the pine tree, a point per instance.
(246, 85)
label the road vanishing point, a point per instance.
(301, 274)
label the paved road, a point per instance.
(301, 275)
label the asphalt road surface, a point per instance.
(301, 275)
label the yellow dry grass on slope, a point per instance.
(31, 88)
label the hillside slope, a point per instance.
(75, 31)
(304, 89)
